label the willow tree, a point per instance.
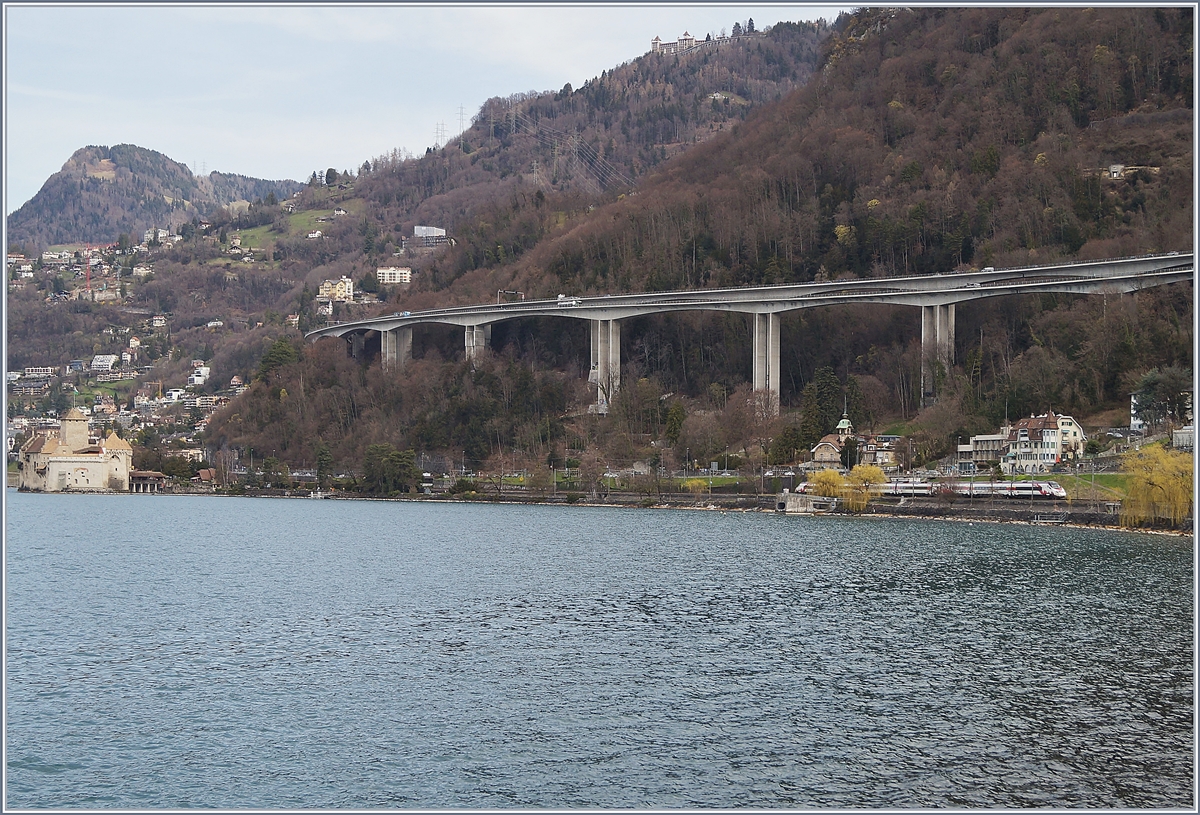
(827, 483)
(858, 486)
(1159, 486)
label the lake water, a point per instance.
(168, 652)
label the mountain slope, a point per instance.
(930, 139)
(103, 192)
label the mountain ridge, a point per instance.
(102, 192)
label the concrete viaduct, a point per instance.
(936, 295)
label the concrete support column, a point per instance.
(396, 348)
(357, 341)
(766, 356)
(928, 326)
(945, 332)
(937, 345)
(476, 339)
(605, 371)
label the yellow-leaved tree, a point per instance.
(858, 486)
(1159, 486)
(828, 483)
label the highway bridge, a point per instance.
(935, 295)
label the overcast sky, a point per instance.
(277, 91)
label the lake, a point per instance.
(183, 651)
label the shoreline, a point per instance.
(726, 504)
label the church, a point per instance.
(71, 461)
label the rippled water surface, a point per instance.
(202, 652)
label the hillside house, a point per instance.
(393, 275)
(337, 291)
(103, 362)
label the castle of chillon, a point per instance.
(71, 460)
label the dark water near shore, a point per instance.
(224, 653)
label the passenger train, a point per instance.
(986, 489)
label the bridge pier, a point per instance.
(396, 348)
(937, 346)
(477, 338)
(766, 357)
(358, 341)
(605, 372)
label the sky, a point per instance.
(278, 91)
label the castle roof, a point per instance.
(115, 442)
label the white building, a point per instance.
(393, 275)
(103, 362)
(1071, 437)
(1034, 445)
(1135, 424)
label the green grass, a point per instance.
(306, 221)
(260, 238)
(1112, 484)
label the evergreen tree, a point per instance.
(830, 403)
(324, 464)
(811, 427)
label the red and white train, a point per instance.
(980, 489)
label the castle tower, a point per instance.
(73, 430)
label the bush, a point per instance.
(463, 486)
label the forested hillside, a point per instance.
(579, 146)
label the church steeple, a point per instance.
(844, 428)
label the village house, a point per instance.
(827, 453)
(1034, 445)
(70, 460)
(340, 291)
(1071, 437)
